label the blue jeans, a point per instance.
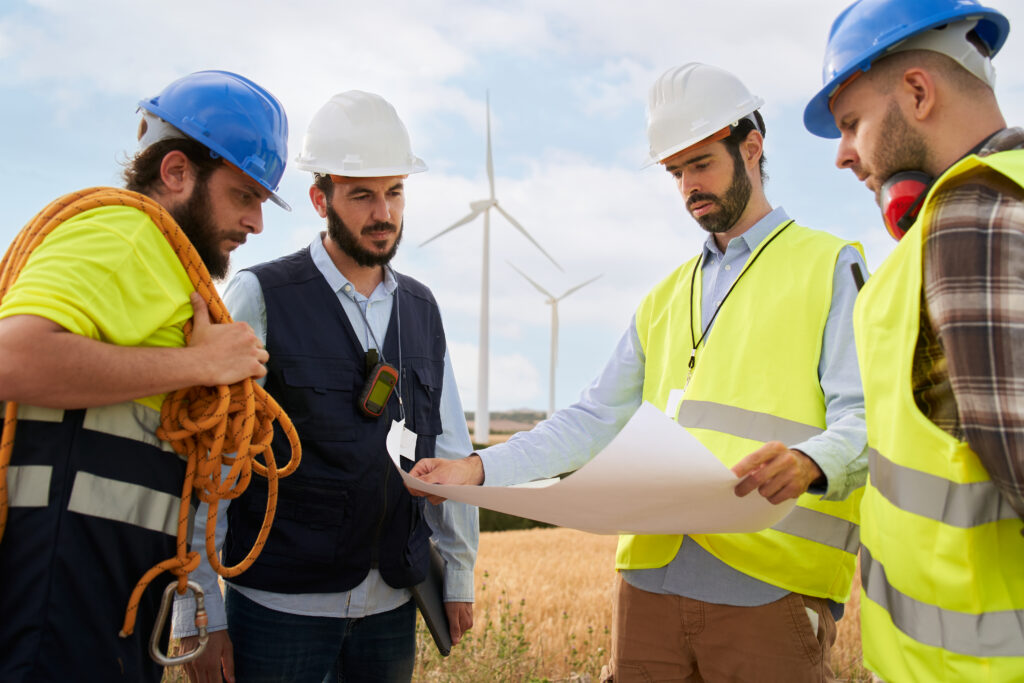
(277, 647)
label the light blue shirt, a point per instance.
(573, 435)
(455, 525)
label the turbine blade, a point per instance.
(462, 221)
(527, 278)
(517, 226)
(573, 289)
(490, 157)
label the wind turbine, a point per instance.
(482, 423)
(553, 300)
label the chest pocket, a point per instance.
(320, 395)
(424, 379)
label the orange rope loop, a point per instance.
(208, 426)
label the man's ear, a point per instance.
(917, 93)
(752, 148)
(319, 199)
(177, 175)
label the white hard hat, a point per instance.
(692, 102)
(358, 134)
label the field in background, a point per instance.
(543, 612)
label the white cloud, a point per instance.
(514, 380)
(568, 81)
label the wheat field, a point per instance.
(544, 600)
(543, 613)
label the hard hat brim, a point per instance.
(415, 166)
(818, 118)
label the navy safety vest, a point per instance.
(94, 499)
(344, 510)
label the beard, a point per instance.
(194, 219)
(904, 149)
(730, 206)
(348, 241)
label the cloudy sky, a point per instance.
(568, 81)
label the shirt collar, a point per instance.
(1002, 141)
(752, 237)
(337, 281)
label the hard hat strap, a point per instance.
(841, 87)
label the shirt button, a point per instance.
(347, 288)
(728, 267)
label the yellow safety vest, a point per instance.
(943, 559)
(755, 380)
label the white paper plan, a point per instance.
(653, 478)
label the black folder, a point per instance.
(429, 597)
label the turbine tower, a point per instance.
(553, 300)
(482, 423)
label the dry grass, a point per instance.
(556, 585)
(543, 612)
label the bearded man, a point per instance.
(748, 345)
(91, 342)
(356, 351)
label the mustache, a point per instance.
(701, 197)
(381, 226)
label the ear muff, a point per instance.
(900, 198)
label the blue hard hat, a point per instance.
(233, 117)
(867, 29)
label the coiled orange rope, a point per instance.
(203, 424)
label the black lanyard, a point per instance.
(693, 283)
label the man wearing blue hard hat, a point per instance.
(908, 90)
(91, 341)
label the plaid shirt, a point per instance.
(969, 361)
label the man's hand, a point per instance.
(778, 473)
(229, 352)
(468, 470)
(217, 658)
(460, 619)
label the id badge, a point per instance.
(401, 443)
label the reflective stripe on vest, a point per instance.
(129, 420)
(962, 505)
(989, 634)
(120, 501)
(93, 495)
(29, 486)
(750, 424)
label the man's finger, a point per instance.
(755, 459)
(200, 311)
(228, 660)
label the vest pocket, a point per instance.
(425, 394)
(320, 397)
(308, 525)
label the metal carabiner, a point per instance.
(158, 628)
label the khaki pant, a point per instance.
(671, 638)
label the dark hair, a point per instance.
(739, 133)
(142, 171)
(324, 183)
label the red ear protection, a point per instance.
(900, 198)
